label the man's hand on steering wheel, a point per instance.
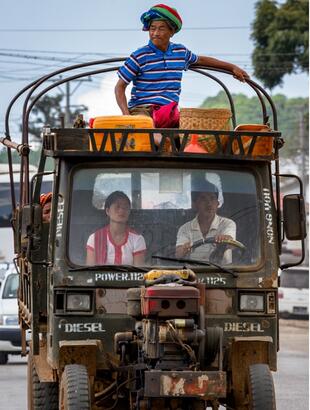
(226, 240)
(223, 238)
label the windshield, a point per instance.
(10, 287)
(127, 217)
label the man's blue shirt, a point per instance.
(156, 75)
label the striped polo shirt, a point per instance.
(156, 75)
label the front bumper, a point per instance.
(10, 339)
(206, 385)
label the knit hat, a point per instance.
(45, 198)
(162, 12)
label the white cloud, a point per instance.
(101, 101)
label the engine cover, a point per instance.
(170, 301)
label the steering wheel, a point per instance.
(231, 242)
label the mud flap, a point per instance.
(82, 352)
(244, 352)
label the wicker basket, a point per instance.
(207, 119)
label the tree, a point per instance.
(48, 111)
(281, 40)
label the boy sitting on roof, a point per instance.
(156, 69)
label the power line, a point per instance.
(66, 60)
(85, 53)
(57, 52)
(27, 56)
(82, 30)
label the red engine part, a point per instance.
(170, 301)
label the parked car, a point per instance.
(10, 336)
(294, 292)
(4, 267)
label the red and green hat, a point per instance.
(162, 12)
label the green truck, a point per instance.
(171, 332)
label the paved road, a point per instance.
(291, 380)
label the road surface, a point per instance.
(291, 380)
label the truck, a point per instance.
(171, 332)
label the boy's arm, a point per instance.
(121, 96)
(213, 62)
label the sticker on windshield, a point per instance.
(268, 216)
(60, 216)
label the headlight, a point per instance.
(252, 303)
(78, 302)
(9, 320)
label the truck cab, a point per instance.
(174, 330)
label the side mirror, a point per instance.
(294, 217)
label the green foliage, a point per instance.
(48, 111)
(34, 158)
(281, 40)
(291, 112)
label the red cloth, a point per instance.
(166, 116)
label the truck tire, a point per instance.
(41, 396)
(3, 358)
(74, 388)
(261, 388)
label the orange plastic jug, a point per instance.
(263, 145)
(135, 142)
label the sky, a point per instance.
(38, 37)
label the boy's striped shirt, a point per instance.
(156, 75)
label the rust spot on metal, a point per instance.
(65, 281)
(265, 324)
(218, 301)
(101, 310)
(195, 384)
(266, 283)
(101, 292)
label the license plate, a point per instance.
(12, 321)
(300, 310)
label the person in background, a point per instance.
(156, 69)
(46, 204)
(116, 243)
(205, 225)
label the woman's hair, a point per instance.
(114, 197)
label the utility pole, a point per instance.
(68, 93)
(304, 169)
(67, 109)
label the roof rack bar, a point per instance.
(254, 85)
(228, 94)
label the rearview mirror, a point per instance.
(294, 217)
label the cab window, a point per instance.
(160, 202)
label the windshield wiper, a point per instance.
(120, 268)
(197, 262)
